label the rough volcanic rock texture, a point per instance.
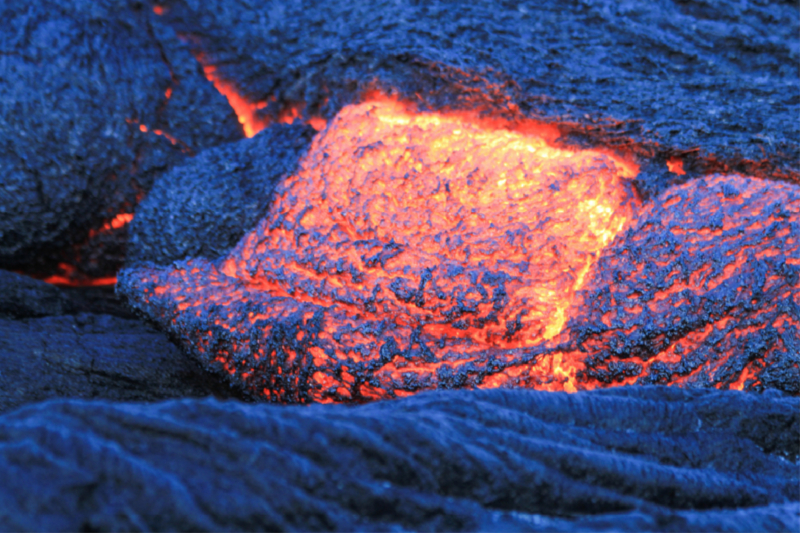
(629, 459)
(704, 289)
(92, 108)
(92, 356)
(202, 207)
(24, 297)
(711, 75)
(50, 347)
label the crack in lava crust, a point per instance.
(410, 251)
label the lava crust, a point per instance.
(713, 79)
(98, 98)
(704, 290)
(630, 459)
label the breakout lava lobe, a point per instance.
(411, 250)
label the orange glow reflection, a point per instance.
(68, 276)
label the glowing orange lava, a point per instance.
(436, 189)
(409, 249)
(247, 111)
(144, 129)
(69, 276)
(117, 222)
(675, 165)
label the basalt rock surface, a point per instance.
(643, 458)
(98, 98)
(712, 79)
(703, 290)
(202, 207)
(53, 346)
(24, 297)
(102, 99)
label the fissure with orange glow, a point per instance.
(69, 276)
(248, 111)
(118, 222)
(410, 250)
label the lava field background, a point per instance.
(155, 146)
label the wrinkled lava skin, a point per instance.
(711, 78)
(703, 290)
(629, 459)
(420, 250)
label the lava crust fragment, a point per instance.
(98, 97)
(203, 206)
(703, 290)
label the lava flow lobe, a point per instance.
(702, 290)
(409, 251)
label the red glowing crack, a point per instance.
(248, 111)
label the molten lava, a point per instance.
(421, 250)
(411, 250)
(249, 112)
(118, 222)
(144, 129)
(69, 276)
(675, 165)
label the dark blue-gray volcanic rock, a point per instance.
(710, 74)
(714, 75)
(625, 459)
(77, 80)
(92, 356)
(202, 207)
(50, 347)
(24, 297)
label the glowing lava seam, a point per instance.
(249, 112)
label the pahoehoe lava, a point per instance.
(414, 250)
(362, 201)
